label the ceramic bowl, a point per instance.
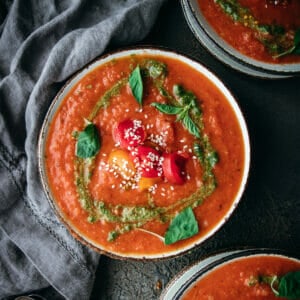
(186, 279)
(59, 99)
(226, 53)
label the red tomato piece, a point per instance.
(148, 161)
(129, 133)
(173, 167)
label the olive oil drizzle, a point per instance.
(128, 218)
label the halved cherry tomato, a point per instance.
(173, 167)
(148, 161)
(129, 133)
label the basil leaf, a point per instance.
(136, 84)
(191, 126)
(167, 109)
(88, 142)
(289, 285)
(183, 226)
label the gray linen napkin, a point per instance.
(42, 42)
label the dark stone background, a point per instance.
(269, 211)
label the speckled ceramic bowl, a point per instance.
(226, 53)
(185, 280)
(60, 98)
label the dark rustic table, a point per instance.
(269, 211)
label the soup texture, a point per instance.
(144, 156)
(250, 278)
(266, 30)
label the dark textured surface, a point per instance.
(268, 215)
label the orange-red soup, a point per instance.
(246, 40)
(233, 280)
(221, 125)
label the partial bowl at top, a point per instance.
(259, 38)
(144, 154)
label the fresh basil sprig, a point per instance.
(88, 142)
(136, 84)
(287, 286)
(183, 226)
(187, 107)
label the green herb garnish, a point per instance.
(156, 69)
(167, 109)
(287, 286)
(186, 109)
(88, 142)
(209, 156)
(274, 37)
(183, 226)
(295, 48)
(136, 84)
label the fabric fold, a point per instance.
(42, 43)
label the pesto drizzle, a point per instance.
(274, 37)
(128, 218)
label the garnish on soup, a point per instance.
(265, 30)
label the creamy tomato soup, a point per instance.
(249, 278)
(266, 30)
(144, 155)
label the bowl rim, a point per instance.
(179, 284)
(123, 52)
(228, 54)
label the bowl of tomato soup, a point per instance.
(260, 38)
(144, 154)
(239, 274)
